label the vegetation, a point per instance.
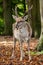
(6, 15)
(7, 8)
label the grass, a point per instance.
(35, 53)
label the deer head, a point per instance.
(23, 18)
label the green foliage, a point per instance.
(1, 26)
(20, 6)
(20, 9)
(40, 44)
(1, 1)
(1, 18)
(17, 1)
(39, 53)
(1, 9)
(20, 13)
(34, 53)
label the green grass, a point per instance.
(34, 53)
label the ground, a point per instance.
(6, 47)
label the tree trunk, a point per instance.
(36, 21)
(34, 17)
(7, 17)
(40, 45)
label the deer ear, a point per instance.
(14, 17)
(25, 17)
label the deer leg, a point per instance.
(13, 56)
(21, 50)
(29, 52)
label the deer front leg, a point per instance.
(21, 51)
(29, 52)
(13, 56)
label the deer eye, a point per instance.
(16, 26)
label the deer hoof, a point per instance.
(29, 58)
(20, 58)
(12, 57)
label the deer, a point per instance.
(22, 32)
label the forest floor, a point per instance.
(6, 47)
